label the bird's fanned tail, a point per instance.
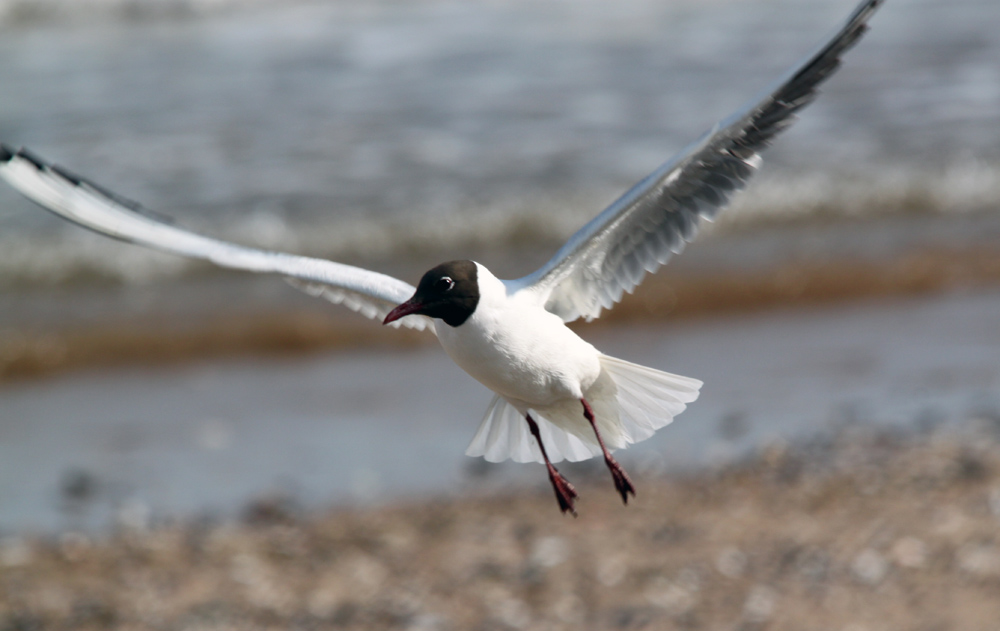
(646, 400)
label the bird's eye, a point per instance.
(444, 284)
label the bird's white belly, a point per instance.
(530, 358)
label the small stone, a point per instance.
(549, 552)
(689, 579)
(247, 569)
(611, 572)
(994, 502)
(427, 622)
(949, 521)
(512, 612)
(134, 515)
(14, 552)
(731, 562)
(672, 598)
(570, 609)
(323, 602)
(74, 546)
(979, 559)
(366, 573)
(760, 603)
(909, 552)
(869, 567)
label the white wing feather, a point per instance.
(656, 218)
(92, 206)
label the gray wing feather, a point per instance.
(656, 218)
(94, 207)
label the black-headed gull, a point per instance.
(511, 335)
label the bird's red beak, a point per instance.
(409, 307)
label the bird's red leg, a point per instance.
(565, 493)
(622, 481)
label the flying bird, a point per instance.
(557, 397)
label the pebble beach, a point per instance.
(864, 531)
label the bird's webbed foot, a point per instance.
(622, 482)
(565, 493)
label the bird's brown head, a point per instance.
(448, 292)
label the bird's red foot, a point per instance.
(622, 482)
(565, 493)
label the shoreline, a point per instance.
(677, 293)
(864, 529)
(378, 424)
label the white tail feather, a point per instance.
(504, 434)
(647, 399)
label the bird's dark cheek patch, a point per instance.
(454, 311)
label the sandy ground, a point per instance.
(865, 532)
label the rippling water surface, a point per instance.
(381, 131)
(377, 426)
(362, 129)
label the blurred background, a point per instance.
(850, 293)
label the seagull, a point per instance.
(556, 396)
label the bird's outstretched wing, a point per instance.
(93, 206)
(656, 218)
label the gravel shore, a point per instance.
(864, 532)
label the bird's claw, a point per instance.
(622, 482)
(565, 493)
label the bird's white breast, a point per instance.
(519, 350)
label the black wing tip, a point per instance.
(863, 12)
(66, 174)
(804, 85)
(871, 5)
(827, 61)
(7, 154)
(857, 24)
(24, 154)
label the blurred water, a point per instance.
(362, 129)
(373, 130)
(86, 450)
